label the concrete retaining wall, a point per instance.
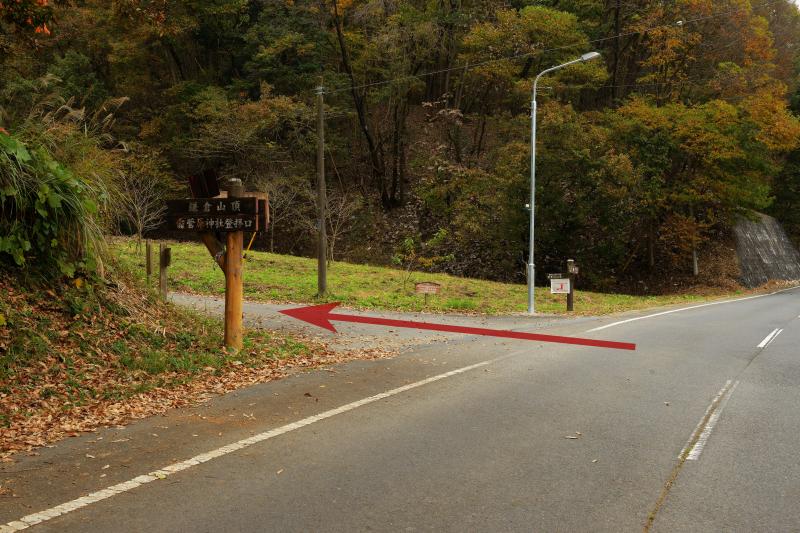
(765, 252)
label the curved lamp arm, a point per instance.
(583, 59)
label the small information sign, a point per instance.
(427, 287)
(559, 285)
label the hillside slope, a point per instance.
(80, 356)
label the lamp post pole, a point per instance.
(531, 264)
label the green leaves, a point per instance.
(47, 217)
(14, 148)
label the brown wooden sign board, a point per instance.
(263, 204)
(427, 288)
(263, 210)
(222, 223)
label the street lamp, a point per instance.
(531, 268)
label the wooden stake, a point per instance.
(163, 263)
(571, 276)
(148, 250)
(234, 282)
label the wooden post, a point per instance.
(148, 250)
(322, 201)
(234, 283)
(571, 276)
(164, 259)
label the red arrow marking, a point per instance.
(320, 315)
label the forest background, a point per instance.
(646, 156)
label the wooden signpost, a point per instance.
(426, 288)
(231, 215)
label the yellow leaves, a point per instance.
(3, 321)
(644, 113)
(778, 129)
(708, 132)
(341, 5)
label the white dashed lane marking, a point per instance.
(769, 338)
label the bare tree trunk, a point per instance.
(272, 238)
(615, 59)
(378, 170)
(399, 153)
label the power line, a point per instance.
(468, 66)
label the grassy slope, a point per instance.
(280, 278)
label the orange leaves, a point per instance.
(341, 5)
(28, 14)
(688, 42)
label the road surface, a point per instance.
(696, 430)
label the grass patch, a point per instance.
(289, 279)
(69, 351)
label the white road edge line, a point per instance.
(59, 510)
(769, 338)
(687, 309)
(697, 449)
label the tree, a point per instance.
(285, 195)
(342, 206)
(145, 186)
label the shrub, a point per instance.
(48, 215)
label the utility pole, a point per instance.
(234, 283)
(322, 200)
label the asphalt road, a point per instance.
(696, 430)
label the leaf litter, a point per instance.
(82, 379)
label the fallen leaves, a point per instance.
(79, 384)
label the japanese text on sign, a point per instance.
(218, 223)
(213, 206)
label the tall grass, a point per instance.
(50, 217)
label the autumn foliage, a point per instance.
(646, 157)
(31, 15)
